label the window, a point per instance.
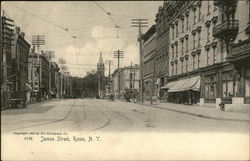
(173, 33)
(208, 33)
(176, 66)
(172, 69)
(182, 25)
(172, 52)
(214, 56)
(208, 7)
(199, 14)
(186, 45)
(177, 32)
(176, 50)
(182, 47)
(199, 39)
(186, 65)
(198, 62)
(181, 66)
(194, 41)
(227, 84)
(187, 23)
(210, 86)
(194, 15)
(247, 83)
(223, 55)
(193, 62)
(208, 57)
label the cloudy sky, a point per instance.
(87, 21)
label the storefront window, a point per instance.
(227, 84)
(247, 83)
(210, 86)
(247, 94)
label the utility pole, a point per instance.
(109, 62)
(38, 40)
(140, 23)
(118, 54)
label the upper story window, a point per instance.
(199, 13)
(194, 10)
(172, 47)
(187, 17)
(208, 23)
(176, 27)
(172, 31)
(176, 45)
(182, 24)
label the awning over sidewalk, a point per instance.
(169, 85)
(28, 88)
(184, 85)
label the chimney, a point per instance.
(22, 34)
(17, 30)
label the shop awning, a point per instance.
(185, 84)
(28, 88)
(167, 86)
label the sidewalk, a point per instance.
(200, 111)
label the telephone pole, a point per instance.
(140, 23)
(118, 54)
(109, 62)
(37, 41)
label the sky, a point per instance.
(91, 26)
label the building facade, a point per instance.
(202, 34)
(148, 50)
(5, 59)
(162, 49)
(39, 76)
(129, 82)
(20, 52)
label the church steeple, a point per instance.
(100, 59)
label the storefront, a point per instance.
(184, 91)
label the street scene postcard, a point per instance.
(125, 80)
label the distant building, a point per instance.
(39, 75)
(129, 81)
(54, 79)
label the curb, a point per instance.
(197, 115)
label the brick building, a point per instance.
(148, 50)
(162, 49)
(5, 60)
(204, 35)
(19, 55)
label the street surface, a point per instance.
(90, 115)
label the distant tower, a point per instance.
(100, 73)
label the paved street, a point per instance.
(90, 115)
